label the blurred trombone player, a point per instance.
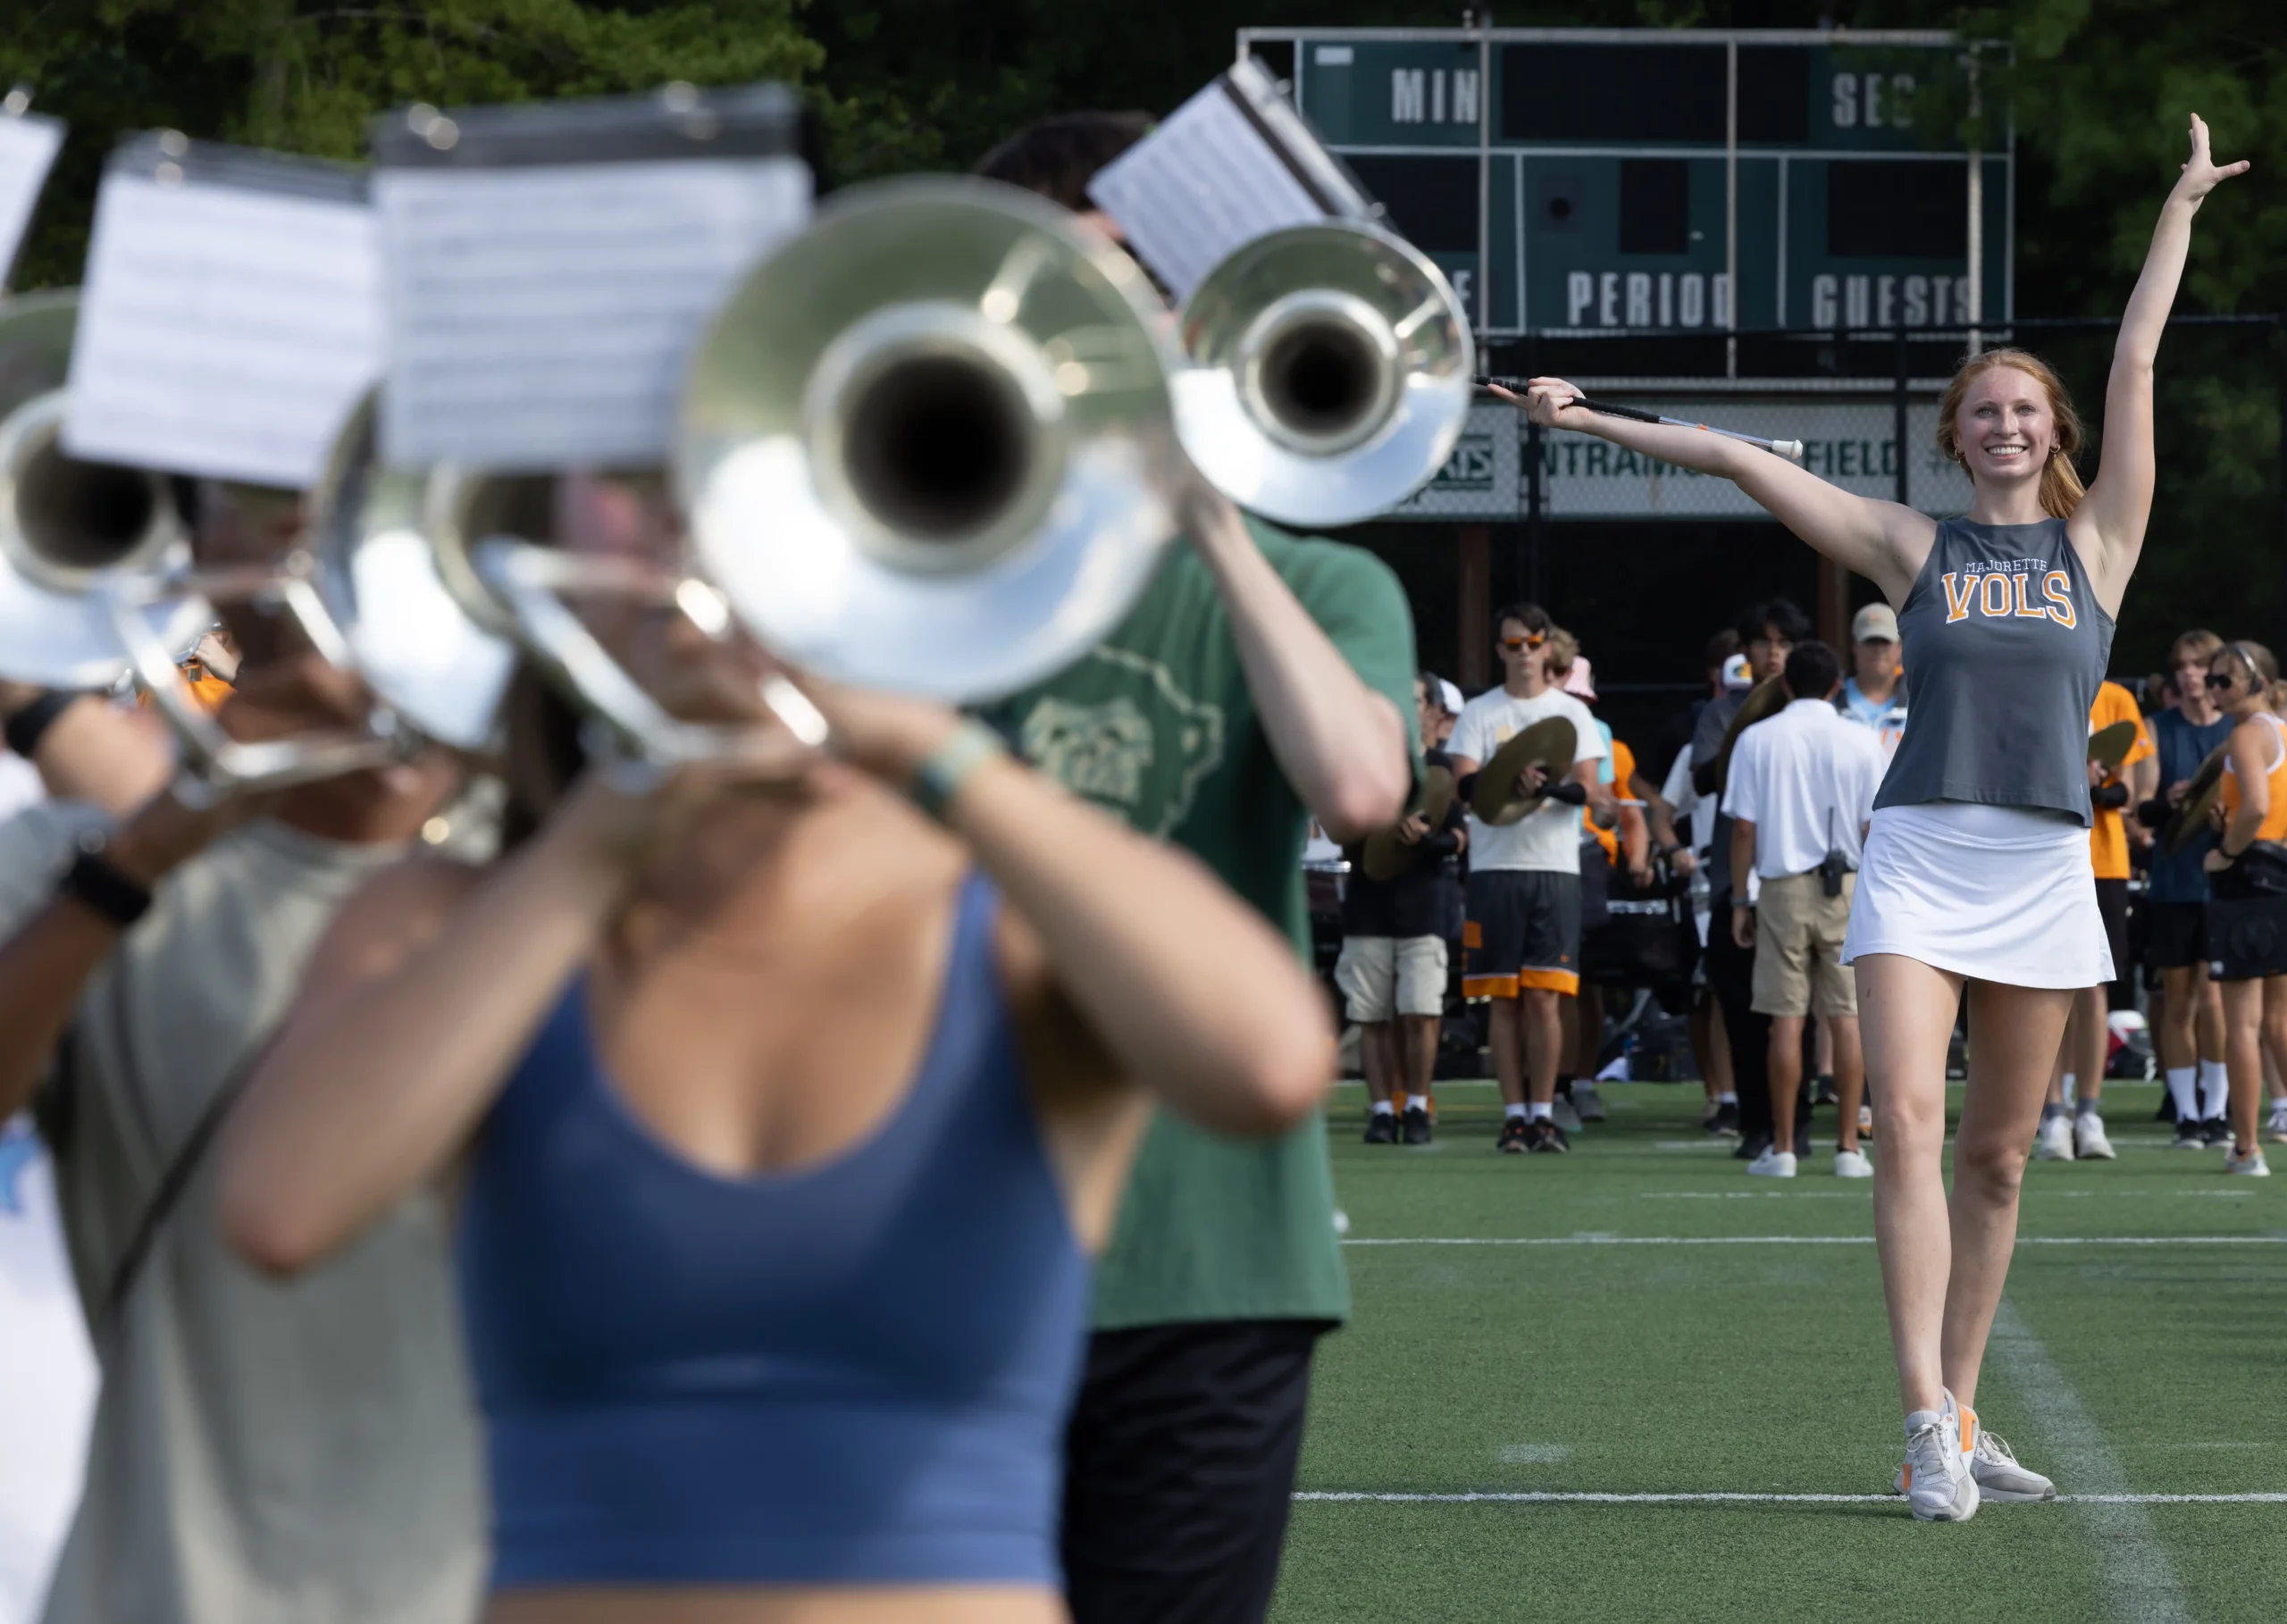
(260, 1452)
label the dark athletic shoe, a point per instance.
(1546, 1136)
(1825, 1093)
(1726, 1124)
(1515, 1136)
(1751, 1146)
(1381, 1128)
(1417, 1126)
(2190, 1136)
(2217, 1132)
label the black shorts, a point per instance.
(2175, 934)
(2112, 908)
(2247, 941)
(1179, 1469)
(1523, 931)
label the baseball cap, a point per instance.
(1580, 680)
(1450, 695)
(1736, 677)
(1877, 622)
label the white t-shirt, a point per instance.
(1805, 779)
(1548, 839)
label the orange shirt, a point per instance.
(2108, 835)
(2274, 815)
(1623, 770)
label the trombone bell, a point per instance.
(65, 523)
(926, 446)
(1330, 373)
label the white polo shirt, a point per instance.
(1546, 839)
(1805, 779)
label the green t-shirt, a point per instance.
(1157, 726)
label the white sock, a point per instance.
(1416, 1102)
(1543, 1113)
(2071, 1079)
(1382, 1108)
(2215, 1089)
(1727, 1098)
(1512, 1110)
(2183, 1089)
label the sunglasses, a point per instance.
(1533, 640)
(2221, 679)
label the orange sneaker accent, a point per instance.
(1909, 1476)
(1969, 1426)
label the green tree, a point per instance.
(307, 75)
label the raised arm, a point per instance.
(1880, 540)
(2108, 528)
(1340, 744)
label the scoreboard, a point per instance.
(1671, 181)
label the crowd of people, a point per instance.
(1783, 803)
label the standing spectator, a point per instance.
(1800, 793)
(1392, 972)
(1874, 695)
(1601, 831)
(2080, 1073)
(1710, 1040)
(1768, 634)
(1524, 882)
(1675, 738)
(2191, 1036)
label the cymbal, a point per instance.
(2207, 788)
(1385, 857)
(1549, 744)
(2108, 747)
(1764, 700)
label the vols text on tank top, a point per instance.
(856, 1371)
(2004, 642)
(2274, 826)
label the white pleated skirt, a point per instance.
(2003, 894)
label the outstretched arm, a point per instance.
(1880, 540)
(2108, 528)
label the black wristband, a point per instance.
(1569, 791)
(2153, 813)
(2110, 795)
(25, 728)
(95, 884)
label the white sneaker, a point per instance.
(2055, 1141)
(2000, 1477)
(1773, 1163)
(1567, 1114)
(2277, 1127)
(1852, 1164)
(2088, 1141)
(1936, 1480)
(2251, 1164)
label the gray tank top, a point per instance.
(2004, 645)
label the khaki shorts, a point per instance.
(1798, 932)
(1385, 976)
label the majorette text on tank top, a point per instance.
(2006, 588)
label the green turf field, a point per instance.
(1759, 1365)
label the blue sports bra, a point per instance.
(855, 1372)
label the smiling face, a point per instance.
(2006, 428)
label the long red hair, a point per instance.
(2061, 489)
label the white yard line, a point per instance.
(2140, 1581)
(1802, 1240)
(1557, 1497)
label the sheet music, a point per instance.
(1202, 184)
(541, 316)
(224, 331)
(29, 143)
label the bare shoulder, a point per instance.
(1066, 1063)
